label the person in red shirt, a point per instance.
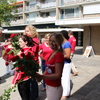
(31, 31)
(53, 72)
(44, 53)
(7, 46)
(72, 41)
(28, 87)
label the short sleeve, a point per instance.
(66, 45)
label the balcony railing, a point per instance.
(64, 2)
(40, 19)
(20, 9)
(18, 0)
(40, 6)
(49, 4)
(47, 19)
(17, 22)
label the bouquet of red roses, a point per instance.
(14, 39)
(26, 63)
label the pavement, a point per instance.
(86, 85)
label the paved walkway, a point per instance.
(86, 84)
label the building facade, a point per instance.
(84, 14)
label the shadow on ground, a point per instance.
(79, 50)
(42, 95)
(90, 91)
(3, 78)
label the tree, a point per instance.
(7, 11)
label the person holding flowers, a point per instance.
(53, 72)
(26, 68)
(30, 31)
(9, 65)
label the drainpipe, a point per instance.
(89, 39)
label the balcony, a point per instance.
(20, 9)
(17, 22)
(46, 19)
(66, 2)
(49, 4)
(40, 6)
(19, 0)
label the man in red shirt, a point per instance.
(72, 41)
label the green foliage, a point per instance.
(7, 92)
(6, 9)
(15, 43)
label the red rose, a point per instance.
(6, 63)
(22, 54)
(28, 56)
(12, 35)
(18, 34)
(22, 50)
(15, 58)
(7, 50)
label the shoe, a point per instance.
(6, 73)
(64, 99)
(75, 74)
(44, 89)
(0, 78)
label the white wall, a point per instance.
(91, 9)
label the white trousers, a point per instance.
(53, 93)
(9, 68)
(66, 79)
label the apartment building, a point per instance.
(53, 15)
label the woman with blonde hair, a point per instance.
(53, 72)
(30, 31)
(44, 53)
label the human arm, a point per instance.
(56, 75)
(67, 53)
(58, 66)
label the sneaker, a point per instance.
(75, 74)
(6, 73)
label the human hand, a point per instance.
(38, 77)
(12, 85)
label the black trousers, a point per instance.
(28, 89)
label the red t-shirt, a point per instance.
(58, 57)
(72, 41)
(35, 48)
(46, 51)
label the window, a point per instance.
(70, 13)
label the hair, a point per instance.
(70, 32)
(65, 34)
(47, 35)
(59, 40)
(27, 39)
(42, 40)
(34, 33)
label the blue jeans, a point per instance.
(43, 69)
